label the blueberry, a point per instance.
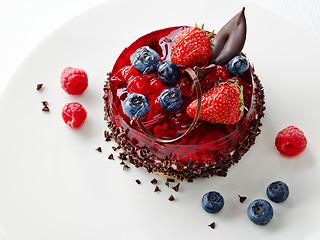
(237, 65)
(260, 212)
(136, 105)
(212, 202)
(168, 73)
(171, 99)
(145, 60)
(278, 191)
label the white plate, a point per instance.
(55, 185)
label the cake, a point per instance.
(163, 103)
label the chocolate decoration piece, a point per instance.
(203, 71)
(230, 40)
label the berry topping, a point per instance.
(220, 72)
(138, 84)
(74, 80)
(74, 114)
(145, 60)
(260, 212)
(212, 202)
(278, 191)
(136, 105)
(217, 73)
(128, 72)
(291, 141)
(171, 99)
(168, 73)
(191, 47)
(237, 65)
(222, 104)
(156, 86)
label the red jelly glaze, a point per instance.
(207, 142)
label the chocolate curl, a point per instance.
(191, 74)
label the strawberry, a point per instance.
(191, 47)
(222, 104)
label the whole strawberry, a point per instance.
(222, 104)
(191, 47)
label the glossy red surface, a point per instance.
(206, 142)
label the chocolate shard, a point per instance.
(45, 109)
(176, 187)
(39, 86)
(157, 189)
(125, 167)
(203, 71)
(154, 181)
(170, 180)
(171, 198)
(99, 149)
(242, 198)
(212, 225)
(230, 40)
(138, 181)
(167, 184)
(111, 157)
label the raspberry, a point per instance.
(128, 72)
(74, 80)
(220, 72)
(291, 141)
(156, 86)
(74, 114)
(138, 84)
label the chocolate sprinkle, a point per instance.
(157, 189)
(107, 136)
(141, 157)
(154, 181)
(167, 183)
(99, 149)
(39, 86)
(125, 167)
(176, 187)
(45, 109)
(170, 180)
(212, 225)
(111, 157)
(45, 103)
(114, 148)
(171, 198)
(122, 163)
(242, 198)
(138, 181)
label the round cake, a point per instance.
(185, 102)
